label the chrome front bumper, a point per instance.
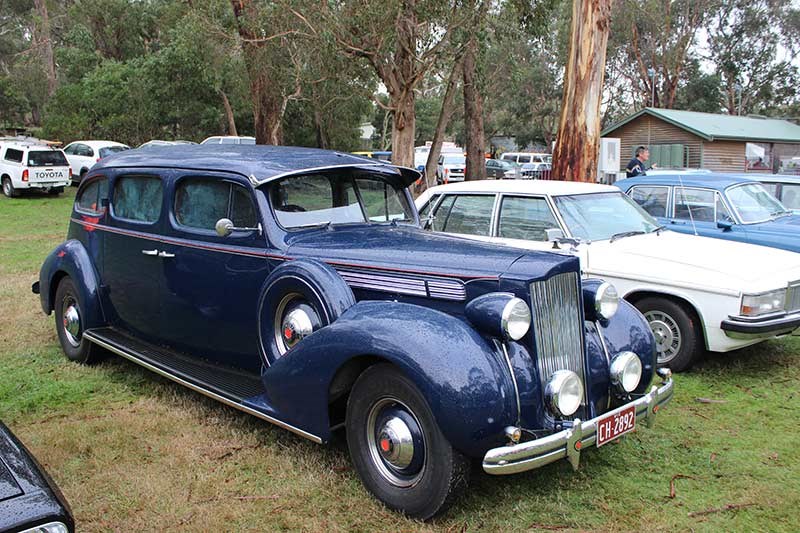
(567, 444)
(740, 328)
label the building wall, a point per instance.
(724, 156)
(646, 130)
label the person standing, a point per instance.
(636, 166)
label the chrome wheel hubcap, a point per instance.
(295, 320)
(71, 322)
(667, 334)
(396, 443)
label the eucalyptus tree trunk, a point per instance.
(46, 42)
(229, 117)
(445, 114)
(473, 116)
(578, 139)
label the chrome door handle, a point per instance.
(165, 254)
(150, 252)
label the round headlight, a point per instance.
(516, 319)
(564, 392)
(626, 371)
(606, 301)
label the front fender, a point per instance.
(71, 259)
(463, 378)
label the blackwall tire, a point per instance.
(679, 339)
(69, 326)
(8, 188)
(305, 288)
(421, 479)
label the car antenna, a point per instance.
(683, 193)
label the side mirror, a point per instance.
(724, 225)
(225, 227)
(554, 234)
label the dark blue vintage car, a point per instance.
(296, 285)
(724, 206)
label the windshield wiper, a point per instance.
(323, 224)
(624, 234)
(658, 230)
(778, 214)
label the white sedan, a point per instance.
(82, 155)
(696, 292)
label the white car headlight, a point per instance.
(764, 303)
(516, 319)
(606, 301)
(626, 371)
(564, 392)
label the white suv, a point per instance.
(32, 164)
(229, 139)
(82, 155)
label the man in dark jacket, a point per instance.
(636, 166)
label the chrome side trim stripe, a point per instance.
(88, 335)
(444, 289)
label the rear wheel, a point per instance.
(69, 325)
(8, 188)
(55, 191)
(677, 333)
(396, 447)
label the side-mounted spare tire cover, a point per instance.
(298, 298)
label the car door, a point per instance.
(703, 212)
(212, 283)
(652, 198)
(491, 169)
(131, 267)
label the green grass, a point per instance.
(132, 451)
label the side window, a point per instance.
(200, 203)
(90, 197)
(790, 196)
(423, 213)
(314, 199)
(470, 215)
(14, 155)
(84, 150)
(525, 218)
(651, 199)
(694, 204)
(722, 212)
(381, 201)
(138, 198)
(70, 149)
(524, 159)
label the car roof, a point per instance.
(549, 187)
(710, 180)
(96, 143)
(776, 178)
(260, 163)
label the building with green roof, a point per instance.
(688, 139)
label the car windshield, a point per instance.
(111, 150)
(754, 204)
(47, 158)
(454, 160)
(349, 197)
(601, 216)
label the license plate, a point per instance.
(612, 426)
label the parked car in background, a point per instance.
(784, 187)
(501, 169)
(31, 164)
(375, 154)
(696, 293)
(535, 170)
(30, 501)
(157, 143)
(296, 285)
(451, 167)
(229, 139)
(83, 154)
(723, 206)
(527, 157)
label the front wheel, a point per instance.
(676, 331)
(70, 325)
(396, 447)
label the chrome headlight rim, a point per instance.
(515, 320)
(777, 295)
(562, 383)
(606, 301)
(626, 372)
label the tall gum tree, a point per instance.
(576, 150)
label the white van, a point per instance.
(527, 157)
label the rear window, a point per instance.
(47, 158)
(111, 150)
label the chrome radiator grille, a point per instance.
(793, 297)
(557, 325)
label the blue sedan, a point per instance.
(717, 205)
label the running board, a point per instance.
(229, 386)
